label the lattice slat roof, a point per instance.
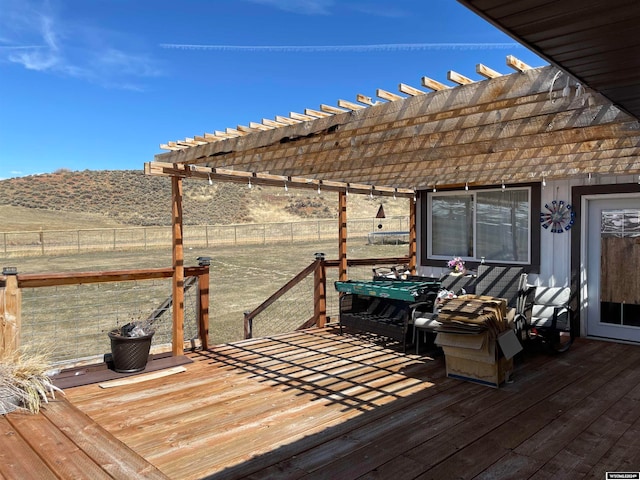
(513, 128)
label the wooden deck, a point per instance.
(314, 404)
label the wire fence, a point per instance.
(289, 312)
(43, 242)
(292, 309)
(72, 322)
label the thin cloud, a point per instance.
(20, 47)
(386, 10)
(36, 38)
(24, 23)
(306, 7)
(387, 47)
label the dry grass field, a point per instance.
(242, 276)
(77, 318)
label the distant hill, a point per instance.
(128, 197)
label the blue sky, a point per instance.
(100, 84)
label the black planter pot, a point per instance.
(129, 354)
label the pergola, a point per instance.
(514, 128)
(527, 126)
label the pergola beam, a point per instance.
(238, 176)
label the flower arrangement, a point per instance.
(456, 264)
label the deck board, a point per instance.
(113, 457)
(314, 404)
(61, 442)
(17, 458)
(59, 452)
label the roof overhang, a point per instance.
(596, 41)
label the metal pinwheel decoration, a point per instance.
(559, 216)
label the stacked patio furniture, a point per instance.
(490, 281)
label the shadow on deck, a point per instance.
(314, 404)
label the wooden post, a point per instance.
(320, 291)
(248, 326)
(412, 236)
(203, 301)
(10, 313)
(178, 267)
(342, 236)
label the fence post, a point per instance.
(10, 309)
(203, 301)
(248, 326)
(320, 291)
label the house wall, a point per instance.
(555, 248)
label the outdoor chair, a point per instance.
(458, 284)
(499, 282)
(544, 315)
(491, 281)
(424, 318)
(393, 272)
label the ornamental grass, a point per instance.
(24, 380)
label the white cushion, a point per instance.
(426, 323)
(552, 296)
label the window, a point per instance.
(493, 224)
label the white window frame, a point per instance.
(473, 194)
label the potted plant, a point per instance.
(24, 381)
(130, 346)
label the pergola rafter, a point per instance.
(509, 128)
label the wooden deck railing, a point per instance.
(319, 270)
(12, 282)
